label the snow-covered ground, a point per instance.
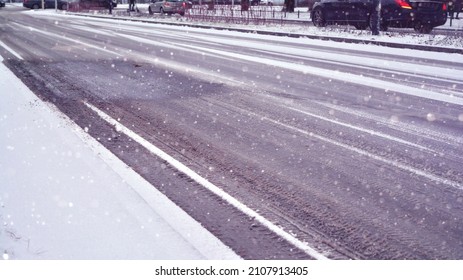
(54, 203)
(64, 196)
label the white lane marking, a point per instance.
(397, 164)
(169, 46)
(11, 51)
(340, 76)
(208, 185)
(103, 49)
(402, 126)
(369, 131)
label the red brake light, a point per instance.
(403, 4)
(444, 7)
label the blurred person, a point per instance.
(110, 6)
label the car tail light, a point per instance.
(403, 4)
(184, 4)
(444, 7)
(167, 4)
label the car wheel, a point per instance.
(35, 6)
(422, 28)
(318, 19)
(150, 11)
(64, 7)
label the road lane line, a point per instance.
(369, 131)
(401, 126)
(11, 51)
(397, 164)
(208, 185)
(50, 34)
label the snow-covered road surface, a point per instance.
(354, 150)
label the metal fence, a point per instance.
(234, 14)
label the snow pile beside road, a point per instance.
(402, 36)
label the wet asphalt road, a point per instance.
(321, 142)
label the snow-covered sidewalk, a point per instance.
(64, 196)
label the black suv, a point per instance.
(422, 15)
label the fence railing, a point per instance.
(234, 14)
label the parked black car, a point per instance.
(49, 4)
(2, 3)
(422, 15)
(90, 4)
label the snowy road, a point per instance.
(354, 150)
